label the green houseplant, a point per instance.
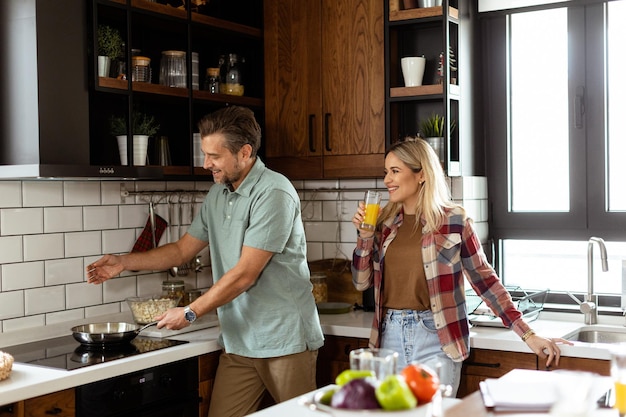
(109, 42)
(433, 131)
(143, 126)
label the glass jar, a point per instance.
(233, 82)
(141, 69)
(173, 71)
(174, 289)
(320, 287)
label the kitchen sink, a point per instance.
(598, 334)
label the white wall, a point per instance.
(50, 230)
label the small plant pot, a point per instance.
(438, 145)
(140, 149)
(104, 66)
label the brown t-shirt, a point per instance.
(404, 285)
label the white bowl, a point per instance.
(312, 402)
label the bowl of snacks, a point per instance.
(358, 393)
(146, 308)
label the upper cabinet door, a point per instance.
(293, 94)
(353, 77)
(324, 87)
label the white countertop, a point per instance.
(27, 381)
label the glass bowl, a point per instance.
(146, 308)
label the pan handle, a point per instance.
(139, 330)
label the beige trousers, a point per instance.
(241, 382)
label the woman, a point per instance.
(423, 246)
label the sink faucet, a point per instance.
(590, 306)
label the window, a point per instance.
(555, 102)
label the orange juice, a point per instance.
(620, 398)
(371, 215)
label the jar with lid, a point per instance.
(174, 289)
(173, 71)
(320, 287)
(234, 76)
(212, 83)
(141, 69)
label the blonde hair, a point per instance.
(434, 195)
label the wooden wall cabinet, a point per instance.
(324, 88)
(207, 368)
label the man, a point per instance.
(270, 330)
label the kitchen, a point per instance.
(43, 261)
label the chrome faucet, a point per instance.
(590, 306)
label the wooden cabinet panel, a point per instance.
(334, 357)
(324, 88)
(599, 366)
(207, 368)
(60, 404)
(483, 364)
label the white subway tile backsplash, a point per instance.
(21, 323)
(44, 300)
(83, 243)
(334, 250)
(111, 192)
(62, 219)
(21, 221)
(321, 184)
(103, 309)
(347, 232)
(364, 184)
(42, 193)
(118, 241)
(23, 275)
(100, 218)
(65, 316)
(64, 271)
(81, 193)
(133, 216)
(321, 231)
(41, 247)
(12, 303)
(311, 210)
(11, 192)
(119, 289)
(11, 249)
(82, 295)
(150, 283)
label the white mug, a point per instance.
(413, 70)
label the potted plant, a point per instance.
(109, 48)
(142, 128)
(433, 131)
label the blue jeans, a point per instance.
(413, 335)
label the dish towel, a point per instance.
(144, 242)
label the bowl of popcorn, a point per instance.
(146, 308)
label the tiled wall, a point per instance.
(50, 230)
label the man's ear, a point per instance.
(246, 151)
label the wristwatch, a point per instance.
(190, 315)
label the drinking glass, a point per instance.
(372, 207)
(382, 361)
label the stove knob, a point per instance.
(166, 380)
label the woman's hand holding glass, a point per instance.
(357, 220)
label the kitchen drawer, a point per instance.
(495, 363)
(12, 410)
(599, 366)
(59, 404)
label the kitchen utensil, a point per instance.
(183, 269)
(107, 333)
(170, 205)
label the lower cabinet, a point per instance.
(334, 357)
(60, 404)
(207, 368)
(485, 363)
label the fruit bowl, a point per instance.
(145, 309)
(312, 402)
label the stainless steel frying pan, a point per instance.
(107, 333)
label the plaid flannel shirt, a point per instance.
(451, 253)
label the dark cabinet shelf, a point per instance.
(148, 28)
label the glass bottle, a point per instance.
(320, 287)
(234, 77)
(212, 80)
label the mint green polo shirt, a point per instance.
(277, 315)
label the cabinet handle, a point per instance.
(347, 349)
(327, 132)
(7, 409)
(483, 364)
(311, 127)
(579, 106)
(54, 411)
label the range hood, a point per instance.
(44, 104)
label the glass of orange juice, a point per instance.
(372, 207)
(618, 373)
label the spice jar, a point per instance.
(141, 69)
(212, 80)
(175, 289)
(320, 288)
